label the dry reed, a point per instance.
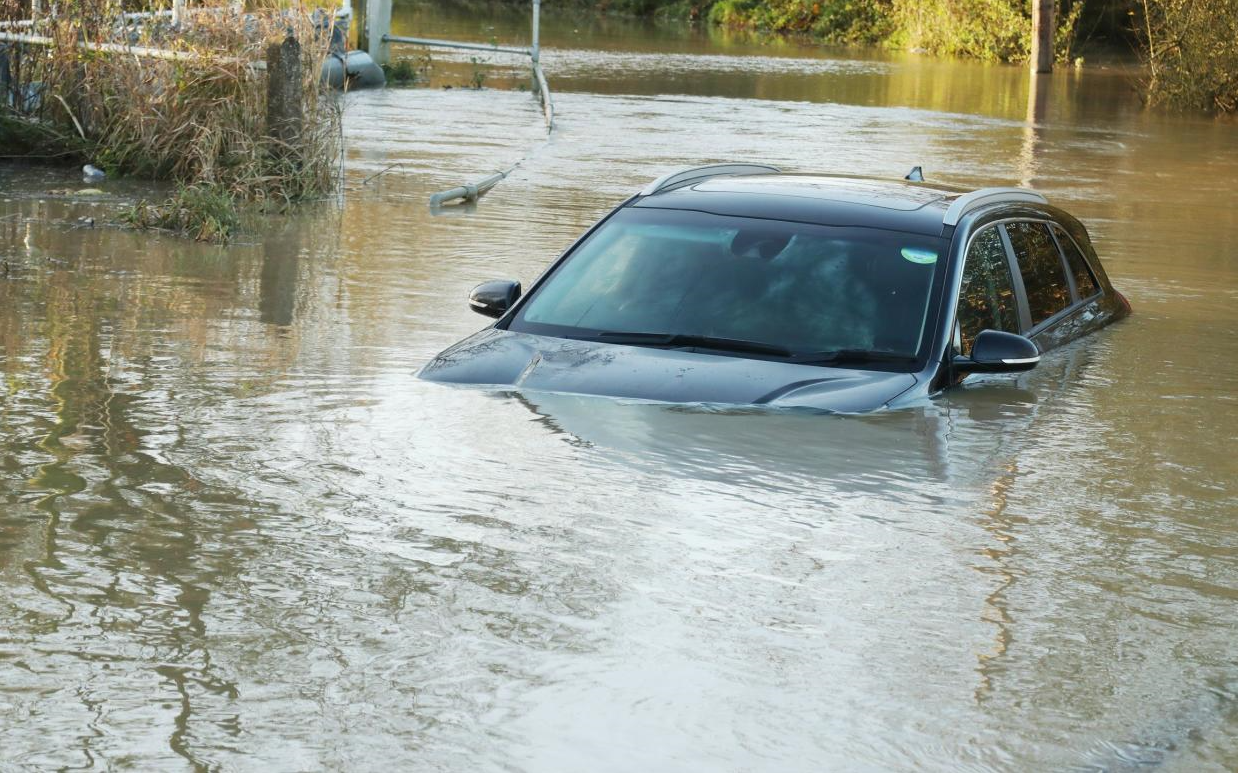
(199, 121)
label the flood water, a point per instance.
(236, 533)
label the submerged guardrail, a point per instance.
(377, 34)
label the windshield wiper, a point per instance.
(851, 357)
(685, 340)
(835, 357)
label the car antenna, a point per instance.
(916, 175)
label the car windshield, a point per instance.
(745, 286)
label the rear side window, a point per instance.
(1040, 264)
(1085, 283)
(986, 297)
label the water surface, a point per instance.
(236, 532)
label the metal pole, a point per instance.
(378, 19)
(537, 12)
(1042, 35)
(362, 23)
(432, 43)
(543, 93)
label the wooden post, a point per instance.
(378, 21)
(178, 12)
(1042, 35)
(284, 94)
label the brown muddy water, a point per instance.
(236, 533)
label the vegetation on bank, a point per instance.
(206, 212)
(994, 30)
(198, 121)
(1192, 52)
(1190, 46)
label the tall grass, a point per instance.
(199, 122)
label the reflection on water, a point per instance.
(237, 532)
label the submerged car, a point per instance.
(739, 284)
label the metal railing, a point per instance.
(433, 43)
(377, 33)
(379, 37)
(122, 48)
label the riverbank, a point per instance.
(990, 30)
(1190, 52)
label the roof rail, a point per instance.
(695, 174)
(976, 199)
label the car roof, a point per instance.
(838, 200)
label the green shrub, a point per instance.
(993, 30)
(839, 21)
(1192, 53)
(990, 30)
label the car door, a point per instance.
(1055, 284)
(988, 298)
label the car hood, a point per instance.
(504, 358)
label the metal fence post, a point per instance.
(378, 25)
(536, 48)
(361, 21)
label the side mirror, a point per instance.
(998, 352)
(493, 299)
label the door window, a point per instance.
(1040, 265)
(986, 297)
(1084, 281)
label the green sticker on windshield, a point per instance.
(923, 257)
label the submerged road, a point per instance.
(236, 533)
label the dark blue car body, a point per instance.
(1032, 306)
